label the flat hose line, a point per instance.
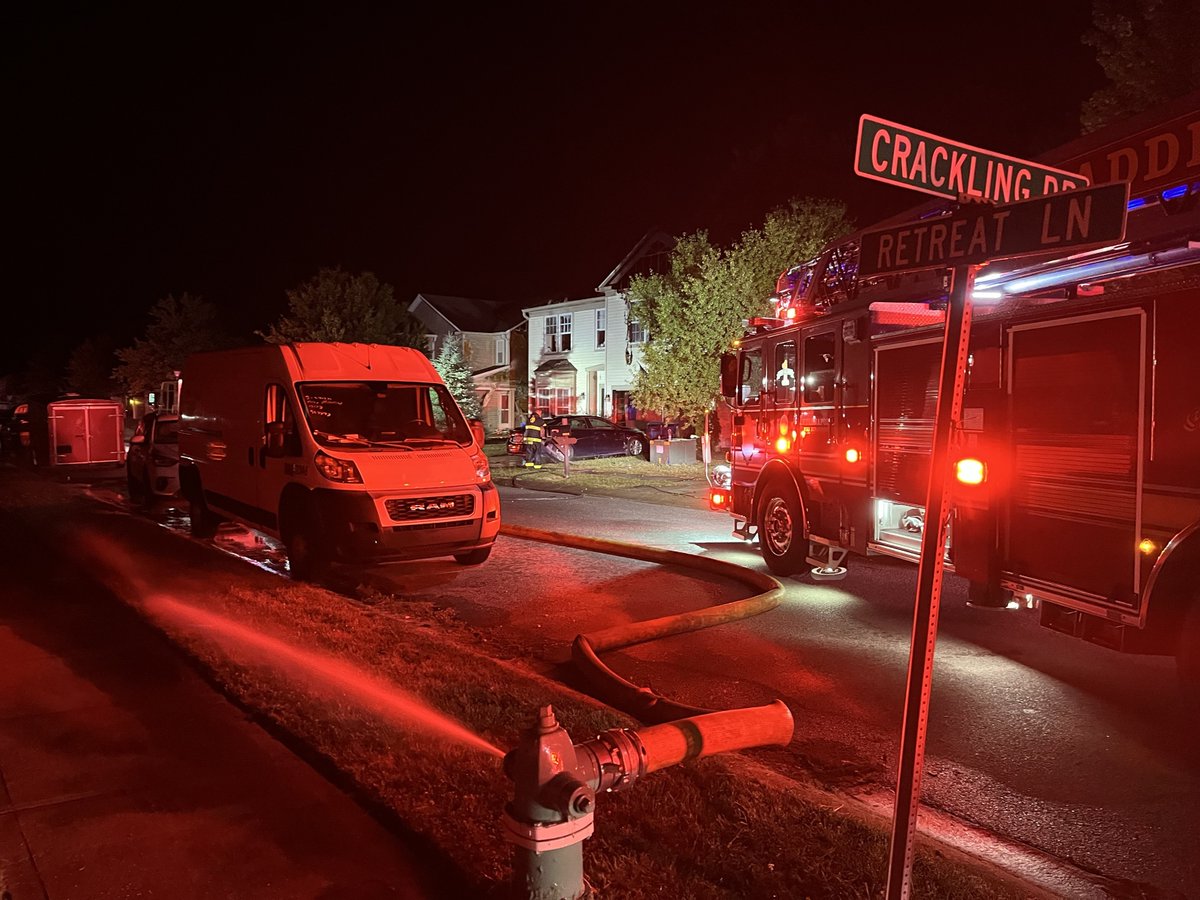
(607, 685)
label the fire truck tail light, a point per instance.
(970, 471)
(852, 455)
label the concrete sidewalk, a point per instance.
(123, 774)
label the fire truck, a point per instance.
(1075, 484)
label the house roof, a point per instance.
(554, 365)
(468, 314)
(648, 255)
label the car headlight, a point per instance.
(341, 470)
(483, 471)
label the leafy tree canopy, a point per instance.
(178, 327)
(1148, 51)
(456, 373)
(338, 306)
(695, 310)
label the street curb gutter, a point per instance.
(1042, 874)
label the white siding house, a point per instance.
(584, 354)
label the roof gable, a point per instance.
(648, 255)
(467, 314)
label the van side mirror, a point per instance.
(276, 438)
(729, 375)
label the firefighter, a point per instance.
(533, 440)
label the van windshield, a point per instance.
(346, 414)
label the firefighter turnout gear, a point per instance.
(533, 441)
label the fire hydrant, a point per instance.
(555, 783)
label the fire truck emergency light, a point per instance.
(852, 455)
(970, 471)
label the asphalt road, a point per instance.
(1063, 746)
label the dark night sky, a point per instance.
(514, 153)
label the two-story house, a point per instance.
(494, 347)
(584, 354)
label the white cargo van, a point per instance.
(353, 452)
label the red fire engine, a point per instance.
(1078, 447)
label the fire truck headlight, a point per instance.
(970, 471)
(722, 477)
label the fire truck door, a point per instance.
(1076, 389)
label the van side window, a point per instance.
(818, 368)
(278, 410)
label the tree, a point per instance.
(90, 368)
(457, 375)
(178, 327)
(1147, 49)
(695, 310)
(336, 306)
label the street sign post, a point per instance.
(1046, 209)
(976, 234)
(907, 157)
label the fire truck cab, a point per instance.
(1078, 445)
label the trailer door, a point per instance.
(1076, 389)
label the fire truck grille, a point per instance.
(415, 509)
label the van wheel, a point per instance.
(780, 529)
(473, 557)
(203, 523)
(1187, 657)
(308, 559)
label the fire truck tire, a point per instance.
(781, 527)
(1187, 657)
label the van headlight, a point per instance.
(483, 471)
(339, 470)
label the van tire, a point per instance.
(308, 560)
(202, 521)
(473, 557)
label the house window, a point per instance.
(501, 351)
(505, 409)
(564, 332)
(601, 321)
(558, 334)
(637, 332)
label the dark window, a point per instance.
(818, 368)
(750, 384)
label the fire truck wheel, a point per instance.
(780, 528)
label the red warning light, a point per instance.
(852, 455)
(970, 471)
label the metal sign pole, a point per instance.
(929, 587)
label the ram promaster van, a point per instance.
(350, 452)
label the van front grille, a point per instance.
(415, 509)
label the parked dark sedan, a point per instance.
(594, 436)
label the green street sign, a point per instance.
(980, 233)
(897, 154)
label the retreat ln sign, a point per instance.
(976, 234)
(906, 157)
